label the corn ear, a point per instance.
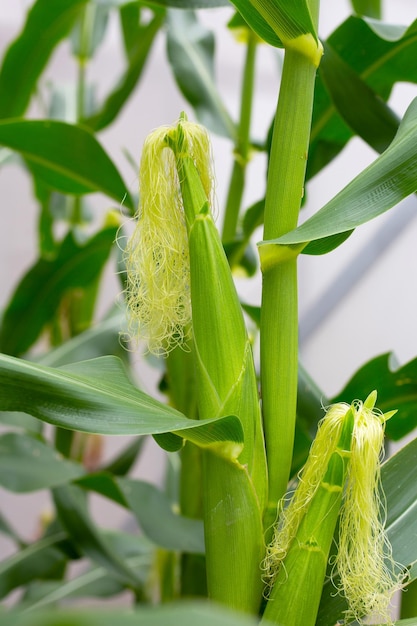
(295, 596)
(338, 477)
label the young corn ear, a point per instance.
(157, 259)
(363, 564)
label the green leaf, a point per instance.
(96, 396)
(371, 8)
(138, 55)
(95, 582)
(361, 108)
(38, 560)
(100, 340)
(257, 23)
(191, 54)
(387, 181)
(28, 464)
(157, 520)
(66, 157)
(278, 22)
(192, 4)
(400, 488)
(40, 292)
(47, 23)
(89, 30)
(185, 613)
(397, 389)
(74, 517)
(380, 55)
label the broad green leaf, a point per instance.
(28, 464)
(95, 582)
(154, 514)
(191, 54)
(21, 420)
(185, 613)
(397, 389)
(96, 396)
(382, 185)
(73, 514)
(400, 488)
(138, 55)
(380, 55)
(40, 292)
(38, 560)
(66, 157)
(47, 23)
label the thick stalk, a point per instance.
(242, 147)
(279, 316)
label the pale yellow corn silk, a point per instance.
(368, 574)
(157, 259)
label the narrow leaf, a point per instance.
(66, 157)
(191, 54)
(47, 23)
(382, 185)
(380, 55)
(137, 60)
(361, 108)
(28, 464)
(72, 511)
(185, 613)
(40, 292)
(38, 560)
(154, 514)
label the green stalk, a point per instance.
(279, 313)
(242, 147)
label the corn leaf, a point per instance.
(28, 464)
(96, 396)
(47, 23)
(190, 49)
(36, 561)
(137, 57)
(40, 292)
(397, 389)
(96, 581)
(186, 614)
(65, 157)
(379, 55)
(72, 512)
(382, 185)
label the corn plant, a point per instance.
(276, 508)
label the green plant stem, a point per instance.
(242, 147)
(279, 315)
